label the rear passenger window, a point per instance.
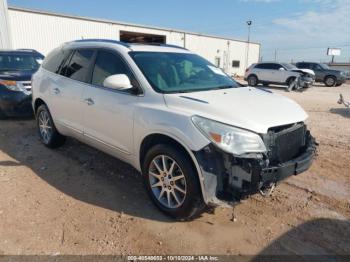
(54, 61)
(108, 64)
(276, 66)
(79, 65)
(269, 66)
(261, 66)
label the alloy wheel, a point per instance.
(167, 181)
(252, 81)
(45, 126)
(330, 81)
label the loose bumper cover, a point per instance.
(227, 178)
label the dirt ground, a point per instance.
(77, 200)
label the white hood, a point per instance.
(249, 108)
(308, 71)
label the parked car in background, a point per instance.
(197, 136)
(16, 70)
(277, 73)
(324, 74)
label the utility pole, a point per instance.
(249, 23)
(275, 55)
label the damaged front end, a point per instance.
(228, 178)
(307, 77)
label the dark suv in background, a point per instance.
(324, 74)
(16, 70)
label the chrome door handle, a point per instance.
(56, 91)
(89, 101)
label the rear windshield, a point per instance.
(19, 62)
(181, 72)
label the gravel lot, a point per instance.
(77, 200)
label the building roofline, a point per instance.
(21, 9)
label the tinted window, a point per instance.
(54, 60)
(108, 64)
(79, 65)
(304, 65)
(322, 66)
(269, 66)
(260, 66)
(275, 66)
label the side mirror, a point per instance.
(118, 82)
(281, 69)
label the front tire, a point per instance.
(48, 133)
(330, 81)
(172, 182)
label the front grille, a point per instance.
(286, 143)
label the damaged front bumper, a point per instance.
(227, 179)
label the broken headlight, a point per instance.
(230, 139)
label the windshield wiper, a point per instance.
(224, 87)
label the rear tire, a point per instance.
(175, 189)
(253, 81)
(330, 81)
(48, 133)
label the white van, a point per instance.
(197, 136)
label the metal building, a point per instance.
(5, 37)
(45, 30)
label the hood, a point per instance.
(307, 71)
(16, 75)
(248, 108)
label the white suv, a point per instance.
(278, 73)
(197, 136)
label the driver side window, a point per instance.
(316, 67)
(107, 64)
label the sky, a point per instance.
(293, 30)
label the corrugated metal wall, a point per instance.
(5, 35)
(44, 31)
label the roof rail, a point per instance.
(27, 49)
(160, 44)
(103, 41)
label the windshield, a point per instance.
(180, 72)
(289, 66)
(324, 66)
(19, 62)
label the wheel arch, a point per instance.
(253, 74)
(289, 78)
(38, 102)
(153, 139)
(329, 75)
